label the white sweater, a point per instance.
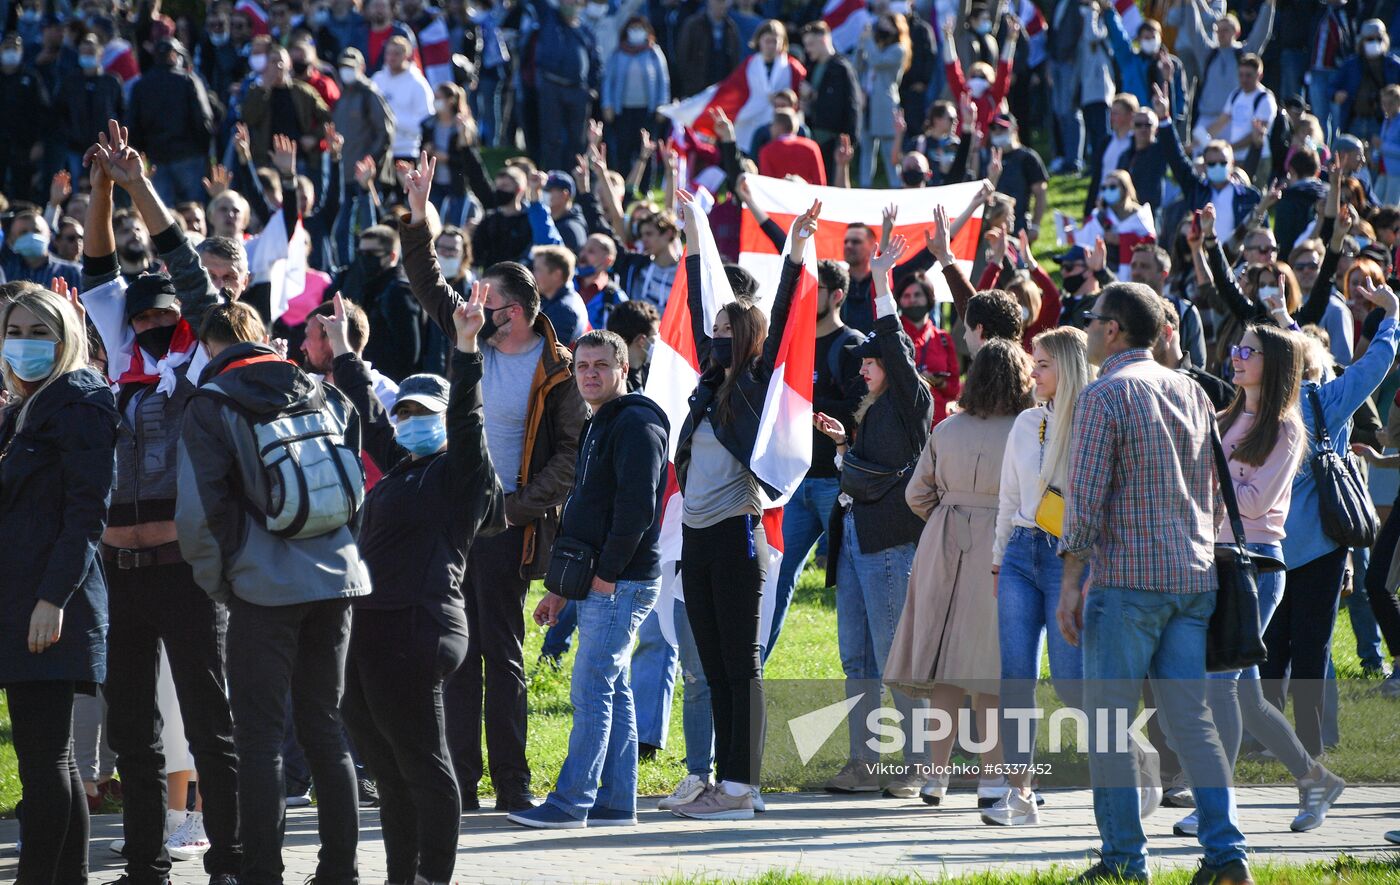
(411, 99)
(1020, 476)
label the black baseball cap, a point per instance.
(149, 291)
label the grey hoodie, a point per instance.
(227, 546)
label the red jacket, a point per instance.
(992, 102)
(934, 354)
(793, 155)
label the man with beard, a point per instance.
(135, 254)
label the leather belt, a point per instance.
(127, 559)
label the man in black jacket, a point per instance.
(375, 281)
(86, 99)
(170, 115)
(615, 512)
(24, 105)
(831, 97)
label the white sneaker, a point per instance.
(189, 841)
(686, 791)
(116, 846)
(1187, 826)
(757, 799)
(1013, 810)
(173, 821)
(992, 790)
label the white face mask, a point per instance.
(347, 74)
(257, 63)
(440, 104)
(1374, 48)
(637, 36)
(10, 58)
(1267, 292)
(549, 199)
(1150, 46)
(1001, 140)
(450, 267)
(977, 86)
(1025, 314)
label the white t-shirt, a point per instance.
(1224, 202)
(1246, 107)
(411, 99)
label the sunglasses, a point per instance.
(1242, 352)
(1304, 268)
(1267, 249)
(1143, 125)
(1217, 164)
(1101, 317)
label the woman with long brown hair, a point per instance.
(1263, 436)
(724, 548)
(882, 58)
(946, 645)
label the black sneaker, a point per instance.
(470, 802)
(1101, 872)
(369, 793)
(223, 879)
(519, 799)
(1236, 872)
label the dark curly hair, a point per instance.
(999, 382)
(997, 312)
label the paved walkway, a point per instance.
(816, 833)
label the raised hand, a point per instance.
(595, 132)
(219, 180)
(418, 183)
(996, 246)
(831, 427)
(648, 146)
(686, 213)
(967, 113)
(334, 140)
(803, 229)
(280, 345)
(845, 151)
(336, 327)
(937, 238)
(401, 170)
(987, 192)
(124, 167)
(1381, 296)
(60, 188)
(470, 316)
(886, 259)
(242, 142)
(1098, 256)
(1273, 196)
(581, 176)
(365, 171)
(59, 286)
(1346, 219)
(994, 165)
(284, 154)
(1027, 258)
(887, 218)
(724, 127)
(741, 189)
(900, 126)
(1208, 221)
(1161, 103)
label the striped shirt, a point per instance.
(1143, 502)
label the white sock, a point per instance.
(734, 788)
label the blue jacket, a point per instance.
(566, 313)
(1197, 189)
(16, 269)
(1340, 398)
(1134, 67)
(654, 70)
(1349, 80)
(55, 483)
(1390, 145)
(564, 52)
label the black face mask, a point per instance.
(916, 314)
(489, 327)
(722, 351)
(156, 341)
(301, 67)
(371, 263)
(504, 197)
(1073, 282)
(911, 177)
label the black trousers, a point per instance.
(1299, 642)
(271, 650)
(393, 707)
(1384, 604)
(149, 606)
(723, 568)
(55, 827)
(494, 671)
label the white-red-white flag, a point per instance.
(435, 52)
(847, 19)
(257, 16)
(1130, 14)
(1139, 227)
(743, 96)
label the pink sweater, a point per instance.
(1264, 492)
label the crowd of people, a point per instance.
(302, 394)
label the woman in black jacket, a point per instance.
(724, 550)
(58, 440)
(439, 491)
(449, 135)
(873, 531)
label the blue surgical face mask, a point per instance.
(1218, 174)
(1111, 195)
(31, 359)
(31, 245)
(1361, 242)
(422, 434)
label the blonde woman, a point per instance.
(883, 56)
(58, 440)
(1025, 567)
(945, 647)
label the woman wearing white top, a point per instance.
(1024, 561)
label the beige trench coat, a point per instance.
(948, 630)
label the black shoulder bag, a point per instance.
(1233, 639)
(1343, 501)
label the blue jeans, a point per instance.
(870, 592)
(558, 638)
(486, 104)
(1067, 113)
(1363, 619)
(178, 181)
(804, 522)
(1321, 88)
(697, 719)
(1028, 593)
(603, 741)
(1292, 65)
(653, 681)
(1128, 635)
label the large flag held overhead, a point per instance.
(435, 50)
(783, 450)
(785, 200)
(847, 19)
(743, 96)
(1140, 227)
(279, 259)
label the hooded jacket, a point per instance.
(420, 519)
(619, 488)
(223, 541)
(56, 477)
(552, 424)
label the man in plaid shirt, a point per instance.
(1143, 507)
